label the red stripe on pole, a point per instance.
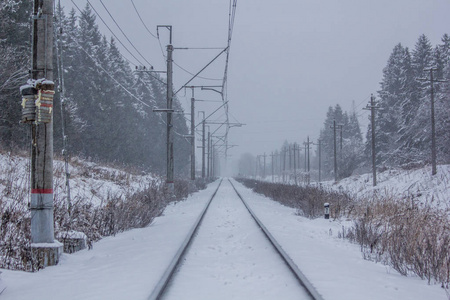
(42, 191)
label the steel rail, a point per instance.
(313, 293)
(160, 287)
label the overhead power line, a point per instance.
(121, 85)
(118, 26)
(109, 75)
(192, 74)
(142, 21)
(81, 12)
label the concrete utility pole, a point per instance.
(170, 166)
(42, 230)
(209, 158)
(433, 123)
(290, 162)
(203, 144)
(264, 169)
(284, 164)
(295, 165)
(210, 161)
(193, 136)
(272, 155)
(258, 165)
(169, 110)
(372, 107)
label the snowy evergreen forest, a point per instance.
(402, 119)
(104, 122)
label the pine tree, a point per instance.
(14, 65)
(394, 97)
(416, 126)
(442, 105)
(353, 147)
(327, 137)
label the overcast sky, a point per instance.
(289, 61)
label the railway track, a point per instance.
(228, 237)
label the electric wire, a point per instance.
(142, 21)
(122, 86)
(190, 73)
(231, 18)
(118, 26)
(130, 62)
(148, 30)
(110, 76)
(81, 12)
(60, 67)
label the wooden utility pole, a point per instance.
(295, 165)
(42, 231)
(319, 144)
(335, 157)
(306, 154)
(372, 107)
(264, 169)
(433, 122)
(307, 148)
(340, 141)
(290, 162)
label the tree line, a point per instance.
(402, 121)
(107, 105)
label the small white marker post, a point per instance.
(326, 207)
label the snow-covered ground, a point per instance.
(232, 259)
(128, 266)
(88, 181)
(417, 184)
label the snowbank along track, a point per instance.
(162, 286)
